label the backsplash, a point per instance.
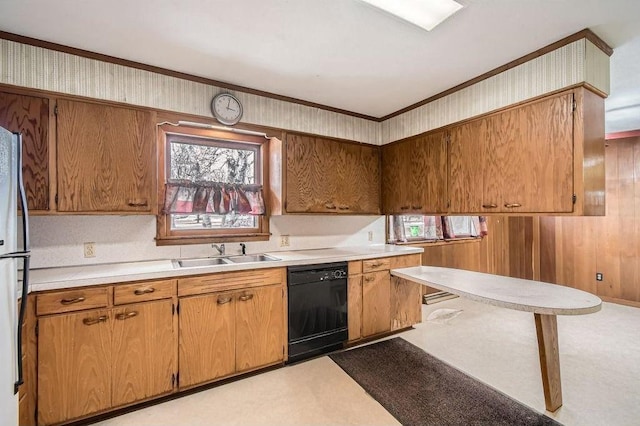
(59, 240)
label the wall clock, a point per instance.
(226, 108)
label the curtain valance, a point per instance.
(184, 196)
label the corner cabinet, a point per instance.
(312, 174)
(544, 156)
(106, 158)
(414, 175)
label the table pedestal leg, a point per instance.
(547, 331)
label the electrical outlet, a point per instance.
(89, 249)
(599, 276)
(284, 241)
(370, 235)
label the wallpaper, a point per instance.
(34, 67)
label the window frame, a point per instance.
(167, 236)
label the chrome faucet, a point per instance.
(220, 248)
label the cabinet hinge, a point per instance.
(178, 379)
(574, 105)
(178, 308)
(173, 309)
(173, 381)
(55, 110)
(574, 198)
(56, 199)
(37, 328)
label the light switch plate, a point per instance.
(89, 249)
(284, 241)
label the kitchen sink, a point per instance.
(245, 258)
(213, 261)
(207, 261)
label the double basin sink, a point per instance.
(223, 260)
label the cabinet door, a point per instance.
(74, 365)
(396, 182)
(144, 355)
(466, 164)
(259, 327)
(358, 171)
(106, 158)
(406, 303)
(207, 338)
(354, 312)
(547, 166)
(30, 116)
(376, 312)
(310, 180)
(429, 174)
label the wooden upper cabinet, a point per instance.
(29, 115)
(330, 176)
(544, 156)
(414, 175)
(106, 158)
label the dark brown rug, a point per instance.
(418, 389)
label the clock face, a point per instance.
(226, 109)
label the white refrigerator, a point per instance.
(14, 273)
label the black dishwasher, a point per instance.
(317, 302)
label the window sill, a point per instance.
(431, 243)
(190, 239)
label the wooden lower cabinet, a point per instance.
(376, 312)
(74, 365)
(259, 327)
(207, 338)
(230, 332)
(379, 303)
(95, 360)
(354, 312)
(143, 351)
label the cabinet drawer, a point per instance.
(223, 281)
(375, 265)
(72, 300)
(406, 261)
(143, 291)
(355, 267)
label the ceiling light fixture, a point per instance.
(423, 13)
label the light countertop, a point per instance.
(506, 292)
(87, 275)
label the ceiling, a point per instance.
(340, 53)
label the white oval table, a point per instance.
(544, 300)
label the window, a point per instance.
(210, 187)
(413, 228)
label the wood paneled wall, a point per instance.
(573, 249)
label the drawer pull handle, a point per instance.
(404, 208)
(72, 301)
(126, 316)
(343, 208)
(132, 203)
(417, 207)
(92, 321)
(330, 206)
(368, 279)
(512, 205)
(224, 300)
(141, 291)
(375, 265)
(489, 206)
(246, 297)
